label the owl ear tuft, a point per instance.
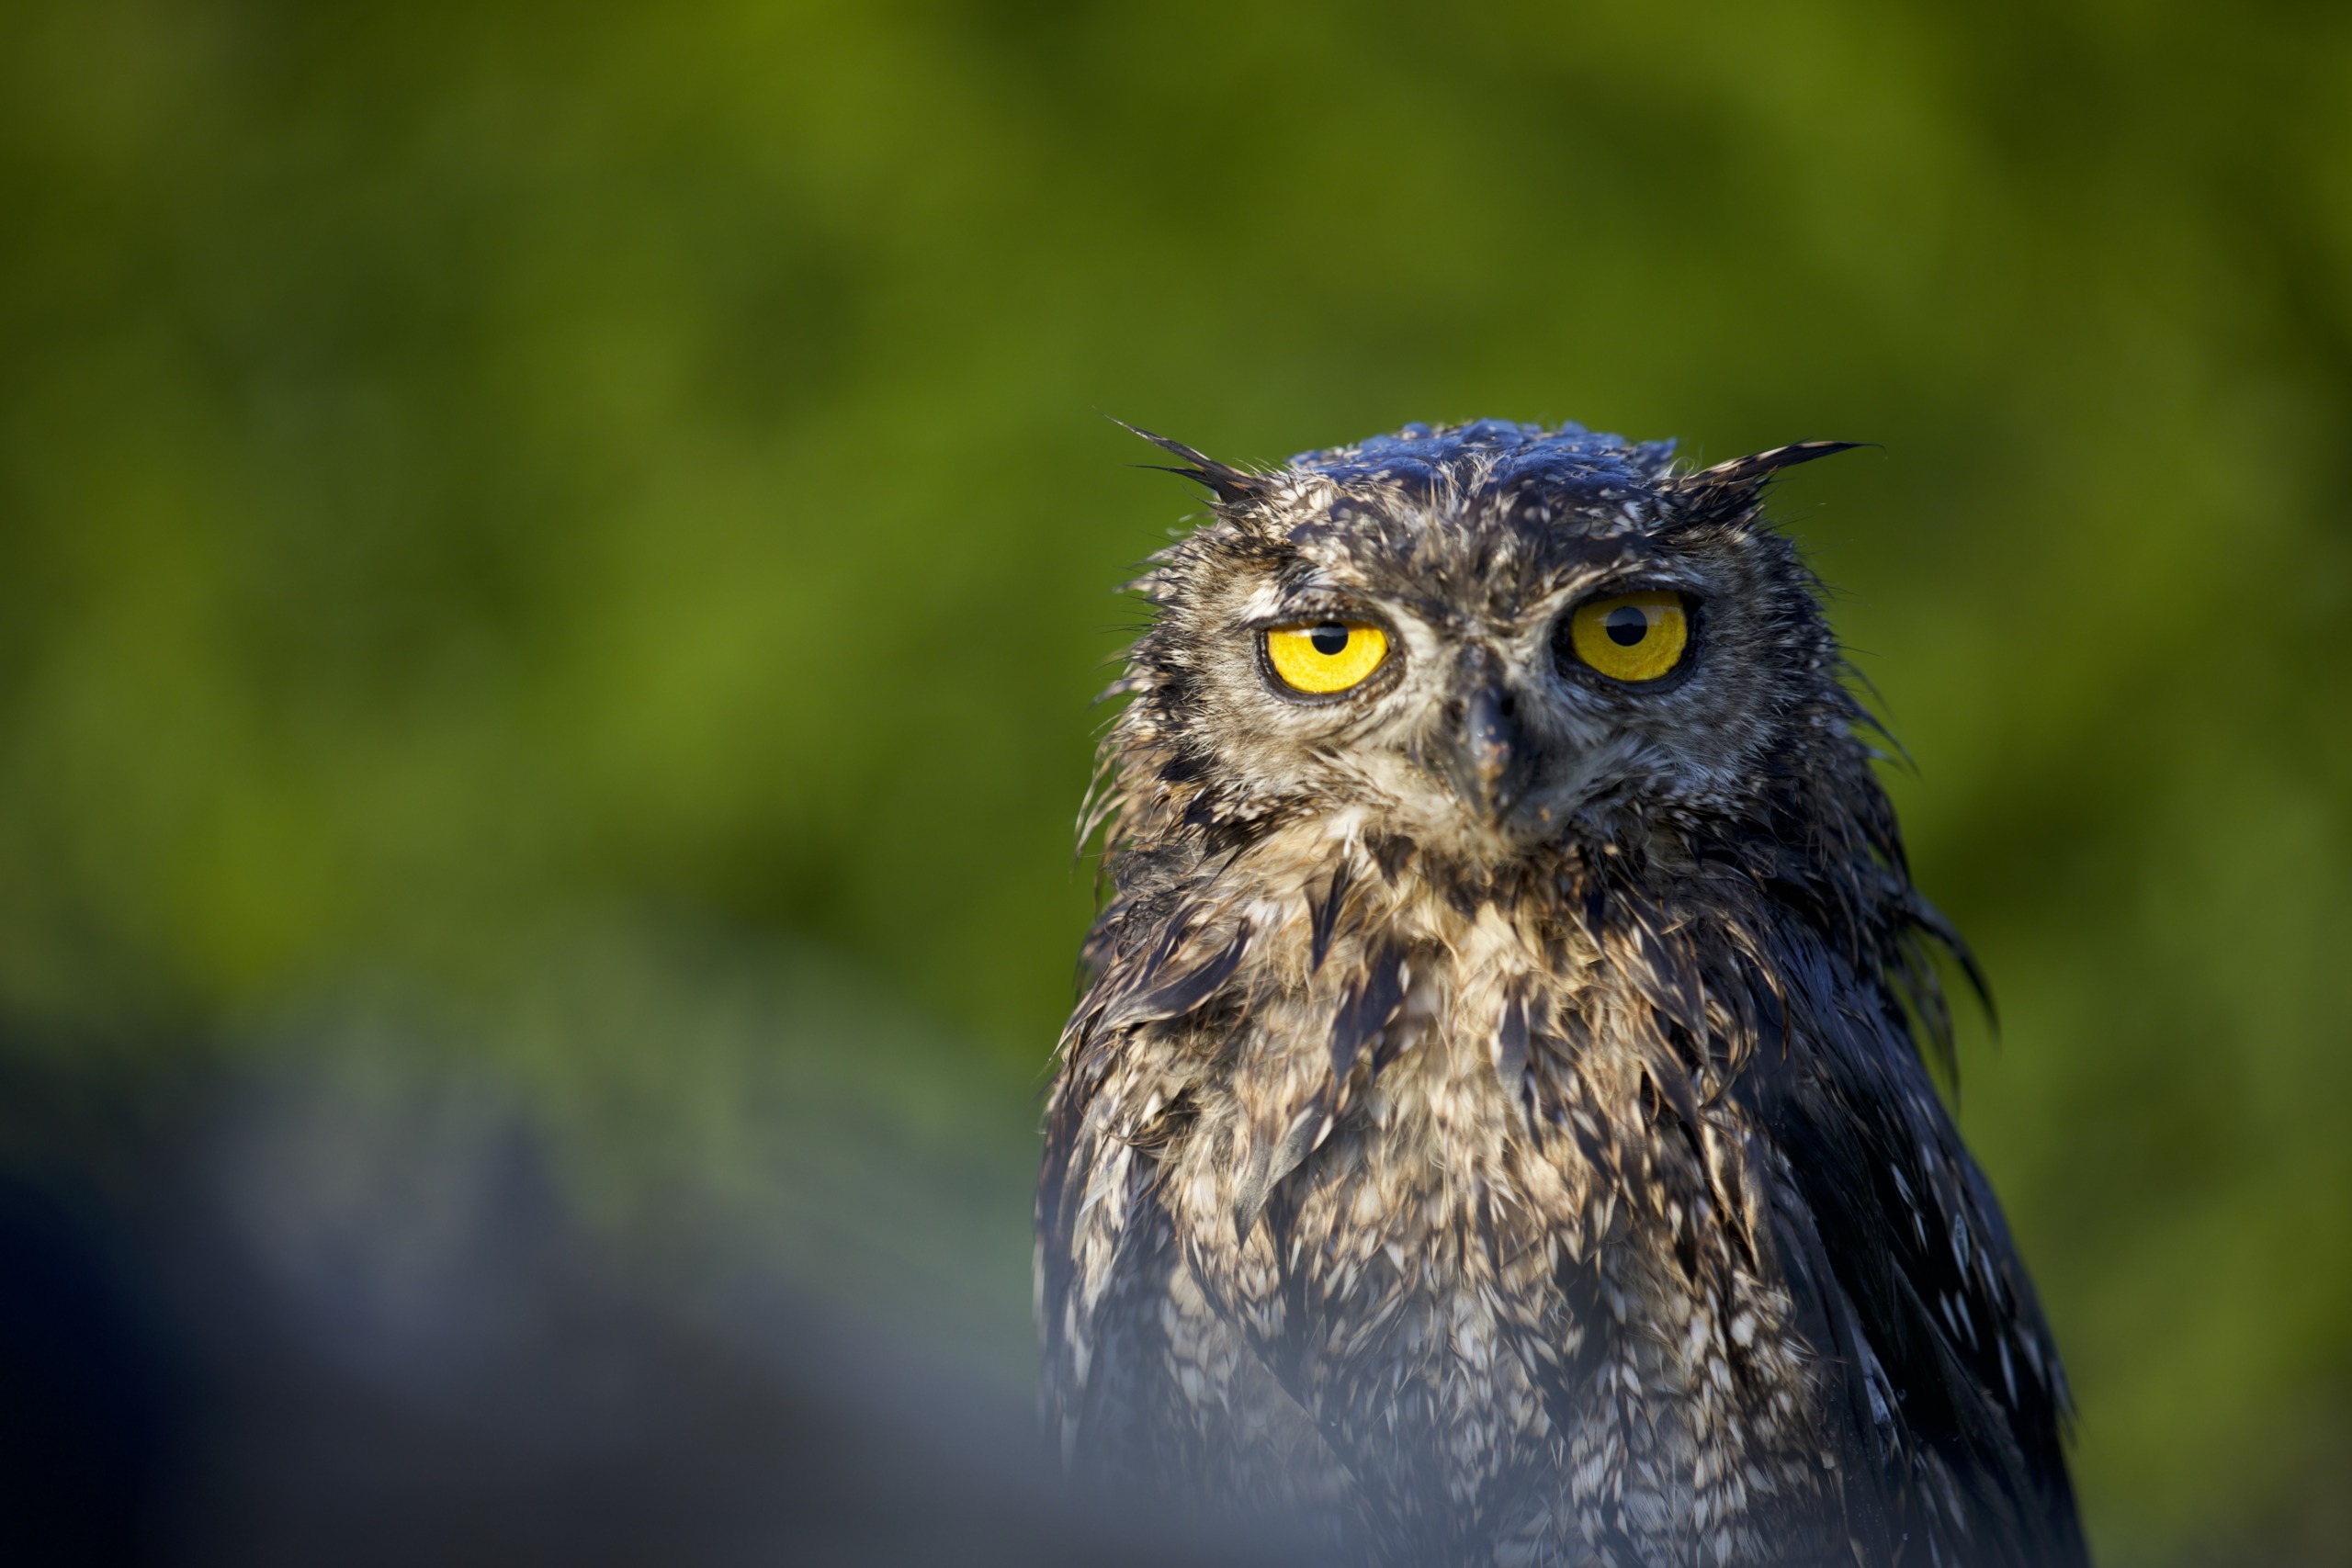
(1227, 483)
(1731, 488)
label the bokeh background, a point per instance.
(554, 558)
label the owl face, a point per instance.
(1437, 634)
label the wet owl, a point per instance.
(1496, 1127)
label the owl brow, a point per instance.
(1619, 570)
(1311, 602)
(1609, 585)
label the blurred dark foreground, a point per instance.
(363, 1293)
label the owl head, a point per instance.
(1482, 636)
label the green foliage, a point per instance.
(460, 465)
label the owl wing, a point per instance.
(1104, 1247)
(1107, 1265)
(1898, 1248)
(1147, 1386)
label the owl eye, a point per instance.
(1326, 657)
(1631, 637)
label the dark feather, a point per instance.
(1228, 484)
(1731, 490)
(1511, 1040)
(1323, 912)
(1757, 467)
(1368, 1006)
(1181, 987)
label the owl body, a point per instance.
(1495, 1129)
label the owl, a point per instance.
(1497, 1128)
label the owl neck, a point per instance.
(1227, 912)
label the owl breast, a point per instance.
(1505, 1337)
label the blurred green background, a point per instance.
(472, 475)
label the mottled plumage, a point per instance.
(1495, 1127)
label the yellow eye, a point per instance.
(1633, 636)
(1329, 657)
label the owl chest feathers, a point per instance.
(1431, 1157)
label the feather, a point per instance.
(1231, 486)
(1510, 1041)
(1729, 491)
(1323, 912)
(1269, 1163)
(1182, 982)
(1369, 1005)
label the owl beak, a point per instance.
(1482, 763)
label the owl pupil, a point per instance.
(1627, 625)
(1329, 640)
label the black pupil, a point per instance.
(1625, 626)
(1329, 640)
